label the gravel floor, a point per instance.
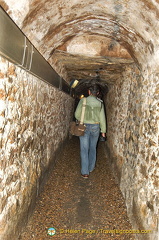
(79, 208)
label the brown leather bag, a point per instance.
(78, 128)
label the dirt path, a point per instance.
(79, 208)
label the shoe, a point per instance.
(92, 170)
(85, 175)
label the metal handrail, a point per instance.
(16, 47)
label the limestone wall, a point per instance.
(133, 138)
(34, 120)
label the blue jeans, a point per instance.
(88, 144)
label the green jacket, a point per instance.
(94, 112)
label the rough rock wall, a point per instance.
(34, 120)
(133, 138)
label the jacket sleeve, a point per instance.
(79, 110)
(102, 120)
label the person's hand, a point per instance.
(104, 135)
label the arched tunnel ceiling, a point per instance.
(86, 39)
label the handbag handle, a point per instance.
(83, 111)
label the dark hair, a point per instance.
(94, 89)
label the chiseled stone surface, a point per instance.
(133, 141)
(73, 36)
(70, 25)
(34, 120)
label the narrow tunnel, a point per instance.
(50, 46)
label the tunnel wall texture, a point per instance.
(34, 120)
(133, 138)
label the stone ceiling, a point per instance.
(90, 40)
